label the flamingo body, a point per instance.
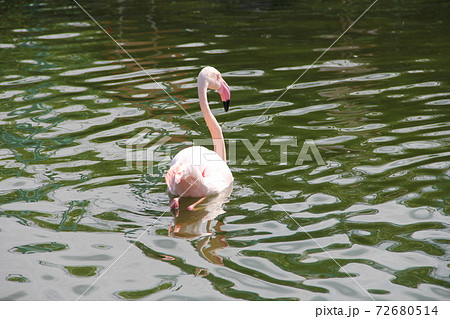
(197, 172)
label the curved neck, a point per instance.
(211, 122)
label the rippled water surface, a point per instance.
(370, 222)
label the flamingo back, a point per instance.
(197, 172)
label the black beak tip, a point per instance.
(226, 105)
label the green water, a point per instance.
(371, 223)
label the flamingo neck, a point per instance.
(211, 122)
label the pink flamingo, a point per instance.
(197, 171)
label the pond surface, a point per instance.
(369, 222)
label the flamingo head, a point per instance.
(214, 81)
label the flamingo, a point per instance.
(197, 171)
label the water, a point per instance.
(370, 223)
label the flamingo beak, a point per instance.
(224, 91)
(226, 105)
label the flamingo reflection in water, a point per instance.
(198, 224)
